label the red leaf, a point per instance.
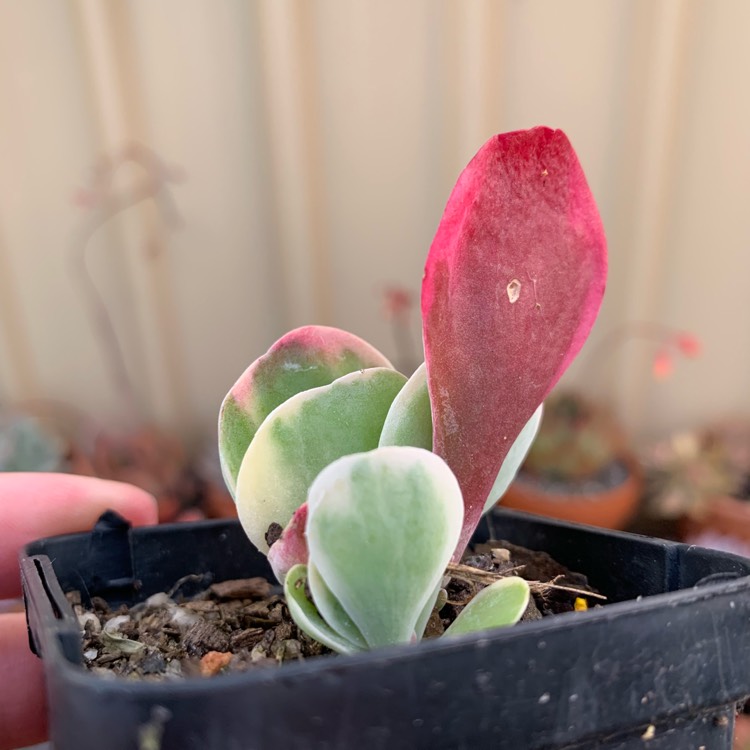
(513, 282)
(290, 548)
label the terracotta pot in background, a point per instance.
(724, 516)
(611, 509)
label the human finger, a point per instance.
(23, 709)
(33, 506)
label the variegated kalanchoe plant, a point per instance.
(361, 485)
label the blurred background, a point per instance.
(183, 181)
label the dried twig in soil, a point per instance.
(474, 575)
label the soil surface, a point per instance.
(245, 624)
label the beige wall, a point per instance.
(321, 139)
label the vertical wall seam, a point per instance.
(293, 160)
(313, 139)
(655, 176)
(108, 43)
(154, 259)
(20, 361)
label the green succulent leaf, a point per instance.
(381, 528)
(331, 610)
(306, 616)
(302, 436)
(499, 605)
(514, 459)
(304, 358)
(409, 420)
(424, 615)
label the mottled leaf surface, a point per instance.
(304, 358)
(306, 616)
(409, 420)
(302, 436)
(381, 528)
(513, 282)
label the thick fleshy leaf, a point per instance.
(513, 282)
(409, 420)
(331, 611)
(381, 528)
(305, 358)
(290, 548)
(424, 615)
(514, 459)
(302, 436)
(303, 613)
(499, 605)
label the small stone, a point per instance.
(153, 663)
(158, 600)
(501, 554)
(213, 662)
(114, 625)
(289, 649)
(99, 605)
(90, 654)
(91, 620)
(650, 733)
(532, 612)
(183, 618)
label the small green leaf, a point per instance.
(331, 610)
(409, 420)
(302, 436)
(304, 358)
(500, 604)
(514, 459)
(381, 528)
(308, 619)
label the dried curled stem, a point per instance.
(474, 575)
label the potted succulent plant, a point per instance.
(579, 468)
(701, 479)
(364, 489)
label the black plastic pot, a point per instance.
(664, 671)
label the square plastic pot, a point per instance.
(661, 666)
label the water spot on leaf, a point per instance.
(514, 290)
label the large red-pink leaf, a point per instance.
(513, 282)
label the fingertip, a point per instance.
(23, 710)
(132, 503)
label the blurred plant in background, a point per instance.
(48, 436)
(577, 440)
(688, 470)
(582, 466)
(25, 445)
